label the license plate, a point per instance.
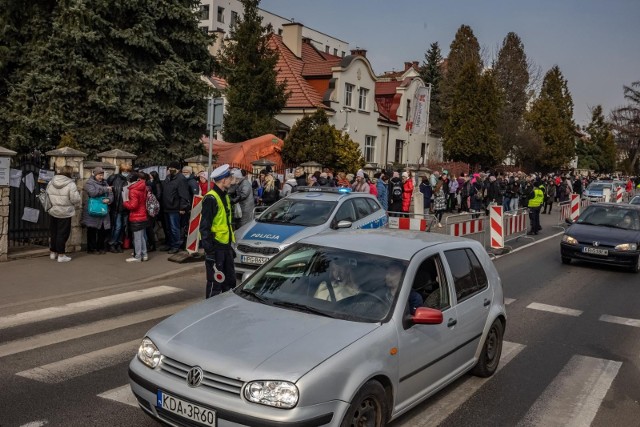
(186, 409)
(595, 251)
(247, 259)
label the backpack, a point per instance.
(153, 206)
(396, 191)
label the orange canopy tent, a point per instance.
(241, 154)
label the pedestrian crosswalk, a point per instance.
(572, 398)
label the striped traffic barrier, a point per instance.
(496, 227)
(619, 195)
(194, 225)
(575, 207)
(465, 228)
(416, 224)
(515, 224)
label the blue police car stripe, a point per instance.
(376, 223)
(272, 232)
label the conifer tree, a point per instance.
(248, 64)
(464, 49)
(431, 73)
(512, 78)
(602, 138)
(551, 117)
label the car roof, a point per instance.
(617, 205)
(326, 194)
(402, 244)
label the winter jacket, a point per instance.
(407, 194)
(427, 192)
(175, 194)
(302, 180)
(137, 203)
(288, 187)
(477, 204)
(118, 182)
(244, 197)
(194, 188)
(383, 196)
(493, 193)
(64, 197)
(95, 188)
(373, 190)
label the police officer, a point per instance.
(535, 204)
(216, 233)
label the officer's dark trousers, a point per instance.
(223, 259)
(534, 217)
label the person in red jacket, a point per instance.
(407, 191)
(136, 204)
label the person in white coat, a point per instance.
(65, 199)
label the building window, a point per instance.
(335, 52)
(408, 110)
(204, 12)
(234, 18)
(423, 152)
(279, 31)
(369, 148)
(399, 149)
(221, 14)
(205, 29)
(362, 99)
(326, 48)
(342, 54)
(348, 92)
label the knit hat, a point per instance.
(174, 165)
(405, 174)
(360, 173)
(97, 171)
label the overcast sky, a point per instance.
(595, 43)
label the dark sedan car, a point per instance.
(605, 233)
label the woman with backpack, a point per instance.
(137, 207)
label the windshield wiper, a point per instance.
(301, 307)
(255, 295)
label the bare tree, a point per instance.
(626, 124)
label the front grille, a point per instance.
(211, 380)
(590, 243)
(264, 250)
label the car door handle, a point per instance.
(487, 302)
(452, 322)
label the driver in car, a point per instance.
(392, 282)
(341, 284)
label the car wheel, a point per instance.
(566, 260)
(368, 408)
(491, 351)
(636, 268)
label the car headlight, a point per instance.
(149, 354)
(281, 394)
(570, 240)
(626, 247)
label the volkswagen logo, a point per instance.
(195, 376)
(596, 243)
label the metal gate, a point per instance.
(25, 229)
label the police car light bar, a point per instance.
(325, 189)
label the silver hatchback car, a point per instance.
(339, 329)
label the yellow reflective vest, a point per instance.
(221, 224)
(538, 198)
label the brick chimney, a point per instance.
(292, 37)
(407, 65)
(359, 52)
(416, 65)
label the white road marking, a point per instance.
(529, 244)
(620, 320)
(83, 364)
(121, 394)
(35, 423)
(555, 309)
(83, 306)
(42, 340)
(508, 301)
(574, 396)
(450, 401)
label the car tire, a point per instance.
(368, 408)
(636, 268)
(566, 260)
(491, 351)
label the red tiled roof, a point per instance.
(387, 88)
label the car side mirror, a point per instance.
(568, 221)
(427, 316)
(343, 224)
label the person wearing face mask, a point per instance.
(117, 211)
(216, 234)
(175, 202)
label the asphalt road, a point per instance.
(568, 359)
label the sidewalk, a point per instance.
(40, 278)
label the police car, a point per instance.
(308, 211)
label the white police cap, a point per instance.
(220, 172)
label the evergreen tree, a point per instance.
(512, 77)
(431, 73)
(249, 66)
(602, 139)
(312, 138)
(124, 74)
(464, 50)
(471, 129)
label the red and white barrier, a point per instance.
(575, 207)
(416, 224)
(497, 227)
(515, 224)
(619, 195)
(472, 226)
(194, 225)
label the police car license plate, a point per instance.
(595, 251)
(248, 259)
(186, 409)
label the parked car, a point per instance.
(635, 200)
(291, 347)
(595, 190)
(309, 211)
(605, 233)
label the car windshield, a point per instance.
(635, 200)
(328, 282)
(611, 216)
(597, 186)
(298, 212)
